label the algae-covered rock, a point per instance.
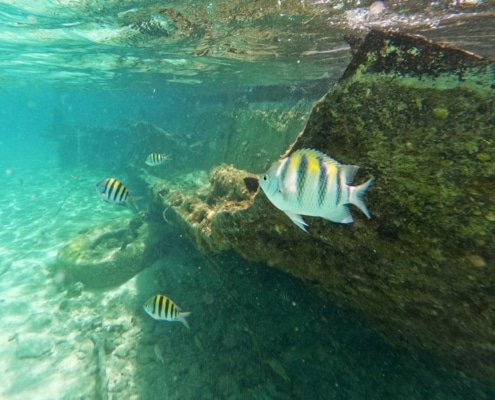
(110, 254)
(193, 201)
(419, 117)
(30, 345)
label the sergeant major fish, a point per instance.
(162, 308)
(309, 182)
(113, 191)
(155, 159)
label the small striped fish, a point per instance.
(155, 159)
(309, 182)
(162, 308)
(113, 191)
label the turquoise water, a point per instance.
(256, 333)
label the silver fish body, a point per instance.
(155, 159)
(309, 182)
(112, 191)
(161, 308)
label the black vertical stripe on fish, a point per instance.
(302, 170)
(159, 300)
(155, 304)
(168, 306)
(111, 187)
(164, 313)
(172, 310)
(117, 188)
(114, 187)
(123, 193)
(118, 191)
(322, 182)
(339, 187)
(107, 187)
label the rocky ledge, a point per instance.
(419, 117)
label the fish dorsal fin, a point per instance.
(350, 172)
(319, 155)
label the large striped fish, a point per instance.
(161, 308)
(113, 191)
(309, 182)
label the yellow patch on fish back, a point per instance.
(294, 161)
(313, 164)
(332, 171)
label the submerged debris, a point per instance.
(109, 254)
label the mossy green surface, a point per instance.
(422, 269)
(423, 266)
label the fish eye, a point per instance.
(265, 178)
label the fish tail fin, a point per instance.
(356, 196)
(133, 203)
(181, 317)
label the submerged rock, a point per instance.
(110, 254)
(419, 117)
(30, 345)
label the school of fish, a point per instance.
(113, 191)
(308, 182)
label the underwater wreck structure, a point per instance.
(418, 116)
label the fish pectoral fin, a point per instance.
(297, 219)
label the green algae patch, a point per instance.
(414, 60)
(419, 117)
